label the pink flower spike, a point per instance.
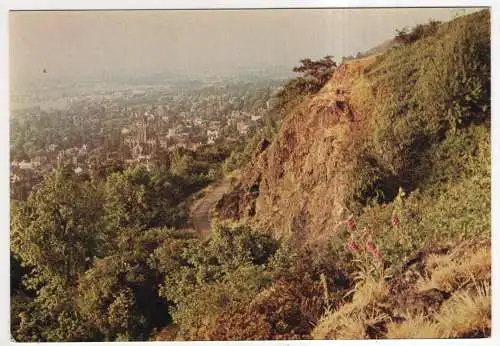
(352, 246)
(351, 224)
(395, 221)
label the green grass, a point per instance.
(429, 132)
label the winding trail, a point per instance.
(200, 211)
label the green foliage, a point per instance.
(90, 261)
(452, 204)
(50, 316)
(405, 36)
(239, 158)
(142, 199)
(201, 279)
(125, 201)
(85, 262)
(424, 93)
(315, 73)
(57, 230)
(241, 245)
(118, 295)
(435, 85)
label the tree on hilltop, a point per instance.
(319, 71)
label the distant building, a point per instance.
(212, 135)
(25, 165)
(171, 133)
(14, 178)
(83, 150)
(146, 135)
(242, 127)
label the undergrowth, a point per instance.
(413, 259)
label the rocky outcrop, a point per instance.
(295, 186)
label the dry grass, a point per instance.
(349, 323)
(449, 272)
(414, 327)
(345, 323)
(351, 319)
(370, 292)
(234, 174)
(351, 327)
(466, 313)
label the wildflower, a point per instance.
(395, 221)
(352, 246)
(371, 248)
(351, 224)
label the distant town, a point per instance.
(132, 125)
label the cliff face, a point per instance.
(380, 123)
(296, 185)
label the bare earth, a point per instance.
(200, 211)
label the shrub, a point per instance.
(204, 279)
(439, 84)
(420, 31)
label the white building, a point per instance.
(212, 136)
(25, 165)
(242, 127)
(198, 121)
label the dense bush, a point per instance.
(422, 94)
(202, 279)
(420, 31)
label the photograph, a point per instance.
(230, 174)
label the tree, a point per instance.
(406, 36)
(57, 230)
(125, 199)
(141, 199)
(202, 279)
(318, 72)
(56, 234)
(119, 294)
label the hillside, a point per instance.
(380, 123)
(399, 144)
(357, 208)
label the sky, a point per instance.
(74, 45)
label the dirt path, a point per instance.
(200, 211)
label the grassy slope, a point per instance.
(431, 133)
(421, 122)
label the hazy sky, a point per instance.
(73, 45)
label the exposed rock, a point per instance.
(302, 172)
